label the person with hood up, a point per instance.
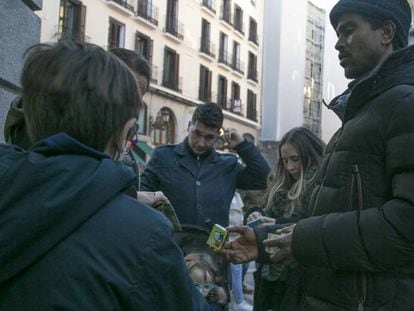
(70, 239)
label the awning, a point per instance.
(144, 147)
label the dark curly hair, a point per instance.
(209, 114)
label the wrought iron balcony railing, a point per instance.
(148, 11)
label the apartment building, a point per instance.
(301, 69)
(199, 51)
(315, 37)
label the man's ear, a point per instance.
(388, 32)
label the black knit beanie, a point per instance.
(398, 11)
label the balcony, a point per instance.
(171, 82)
(209, 5)
(225, 15)
(225, 59)
(75, 35)
(204, 94)
(252, 74)
(254, 38)
(251, 113)
(223, 101)
(238, 65)
(148, 12)
(124, 6)
(208, 48)
(174, 27)
(238, 25)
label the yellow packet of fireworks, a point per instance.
(272, 249)
(217, 238)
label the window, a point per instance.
(148, 11)
(72, 18)
(238, 19)
(222, 92)
(143, 45)
(204, 93)
(116, 36)
(253, 31)
(236, 63)
(252, 69)
(223, 56)
(209, 4)
(226, 11)
(235, 98)
(251, 105)
(171, 67)
(172, 25)
(164, 127)
(206, 46)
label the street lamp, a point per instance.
(165, 116)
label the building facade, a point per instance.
(19, 29)
(293, 75)
(315, 37)
(199, 51)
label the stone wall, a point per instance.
(19, 29)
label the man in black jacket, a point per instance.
(358, 249)
(199, 182)
(70, 238)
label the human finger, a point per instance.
(286, 229)
(228, 245)
(274, 242)
(237, 229)
(280, 256)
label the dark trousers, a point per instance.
(267, 295)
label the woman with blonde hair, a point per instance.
(290, 185)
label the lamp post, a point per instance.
(165, 116)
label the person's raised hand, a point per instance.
(233, 138)
(242, 249)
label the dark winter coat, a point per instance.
(359, 249)
(203, 187)
(71, 240)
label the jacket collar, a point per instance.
(182, 150)
(379, 80)
(188, 160)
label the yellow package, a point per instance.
(217, 238)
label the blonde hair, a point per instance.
(310, 149)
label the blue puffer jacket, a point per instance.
(71, 240)
(203, 187)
